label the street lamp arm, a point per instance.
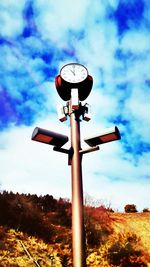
(63, 150)
(92, 149)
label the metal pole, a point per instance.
(78, 236)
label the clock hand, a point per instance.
(72, 72)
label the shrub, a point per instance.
(3, 234)
(110, 210)
(22, 214)
(48, 203)
(124, 254)
(64, 260)
(97, 225)
(146, 210)
(63, 216)
(130, 208)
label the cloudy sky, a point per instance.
(111, 38)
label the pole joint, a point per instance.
(65, 151)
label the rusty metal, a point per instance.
(78, 235)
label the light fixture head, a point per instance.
(109, 135)
(49, 137)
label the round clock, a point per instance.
(73, 73)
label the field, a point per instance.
(127, 244)
(138, 223)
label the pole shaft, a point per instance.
(78, 236)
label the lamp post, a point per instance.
(78, 235)
(73, 85)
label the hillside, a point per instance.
(137, 223)
(130, 238)
(19, 249)
(13, 253)
(34, 229)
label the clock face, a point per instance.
(74, 73)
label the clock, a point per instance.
(73, 75)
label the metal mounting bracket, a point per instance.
(84, 151)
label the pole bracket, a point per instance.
(92, 149)
(63, 150)
(66, 151)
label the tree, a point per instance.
(146, 210)
(130, 208)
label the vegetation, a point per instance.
(34, 215)
(36, 231)
(123, 252)
(130, 208)
(146, 210)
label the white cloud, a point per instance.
(118, 193)
(114, 3)
(11, 22)
(137, 110)
(103, 106)
(136, 41)
(54, 20)
(33, 167)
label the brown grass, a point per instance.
(135, 226)
(12, 252)
(137, 223)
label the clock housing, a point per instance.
(71, 76)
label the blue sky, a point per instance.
(111, 38)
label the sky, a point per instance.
(112, 39)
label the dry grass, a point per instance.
(125, 226)
(137, 223)
(13, 254)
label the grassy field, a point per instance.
(129, 238)
(138, 223)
